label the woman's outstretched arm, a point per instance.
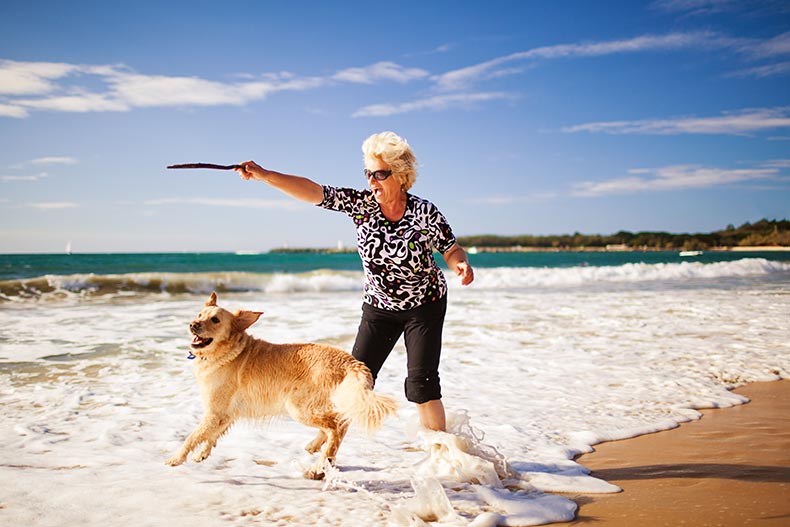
(298, 187)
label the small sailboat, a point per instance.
(68, 247)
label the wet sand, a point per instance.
(731, 468)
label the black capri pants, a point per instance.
(380, 329)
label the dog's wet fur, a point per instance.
(241, 377)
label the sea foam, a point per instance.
(97, 394)
(325, 281)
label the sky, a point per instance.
(526, 117)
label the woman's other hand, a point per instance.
(458, 261)
(465, 271)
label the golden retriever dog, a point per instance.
(241, 377)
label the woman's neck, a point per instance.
(394, 209)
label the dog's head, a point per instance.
(214, 326)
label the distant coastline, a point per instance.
(521, 249)
(764, 235)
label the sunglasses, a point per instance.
(378, 175)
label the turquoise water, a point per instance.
(25, 266)
(77, 276)
(21, 266)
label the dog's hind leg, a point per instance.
(316, 444)
(334, 438)
(334, 430)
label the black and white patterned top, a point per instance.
(400, 271)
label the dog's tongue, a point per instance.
(200, 342)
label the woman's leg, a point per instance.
(377, 334)
(423, 335)
(432, 415)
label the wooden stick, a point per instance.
(206, 165)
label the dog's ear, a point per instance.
(212, 300)
(244, 319)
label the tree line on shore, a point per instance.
(762, 233)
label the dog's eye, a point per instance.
(215, 320)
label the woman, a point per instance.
(405, 292)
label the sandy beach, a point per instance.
(730, 468)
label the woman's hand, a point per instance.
(465, 271)
(457, 260)
(251, 170)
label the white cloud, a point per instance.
(380, 71)
(680, 177)
(235, 203)
(12, 110)
(438, 102)
(53, 160)
(776, 46)
(53, 205)
(760, 72)
(77, 102)
(135, 90)
(31, 78)
(30, 177)
(50, 86)
(730, 123)
(29, 86)
(462, 78)
(153, 90)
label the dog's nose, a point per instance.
(194, 326)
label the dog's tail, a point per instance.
(356, 401)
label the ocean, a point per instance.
(544, 356)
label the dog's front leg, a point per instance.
(218, 426)
(208, 431)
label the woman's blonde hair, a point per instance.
(393, 150)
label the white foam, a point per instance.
(524, 509)
(97, 394)
(510, 277)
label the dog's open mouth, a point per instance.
(199, 342)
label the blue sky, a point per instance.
(526, 117)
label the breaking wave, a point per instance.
(176, 283)
(503, 277)
(90, 285)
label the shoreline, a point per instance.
(472, 249)
(731, 467)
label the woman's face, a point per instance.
(384, 191)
